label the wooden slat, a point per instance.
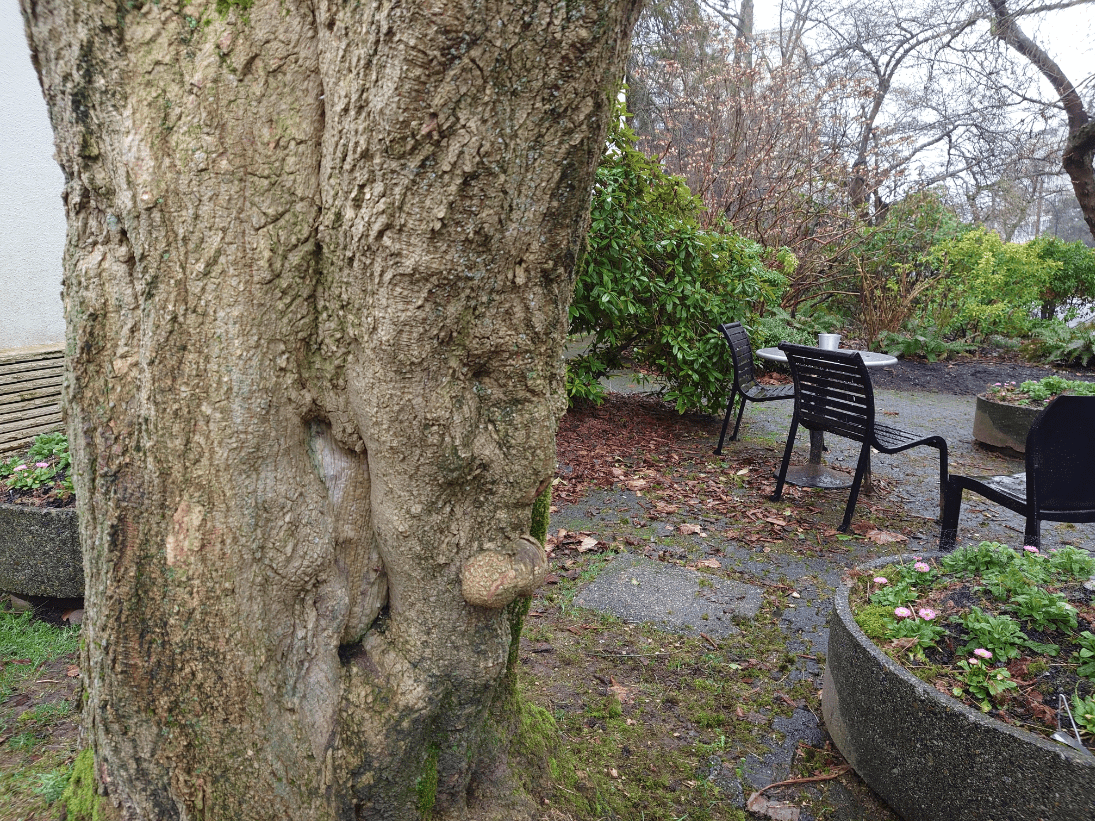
(20, 388)
(50, 391)
(38, 420)
(16, 409)
(19, 440)
(40, 354)
(36, 416)
(50, 368)
(30, 395)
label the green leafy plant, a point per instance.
(997, 285)
(1083, 713)
(975, 559)
(1085, 656)
(895, 595)
(45, 464)
(1072, 562)
(927, 341)
(1044, 609)
(926, 632)
(984, 684)
(999, 597)
(655, 284)
(1070, 269)
(1000, 635)
(1056, 342)
(1038, 393)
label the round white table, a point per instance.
(814, 473)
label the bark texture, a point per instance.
(316, 279)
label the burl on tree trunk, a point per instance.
(316, 283)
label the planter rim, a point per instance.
(984, 397)
(844, 609)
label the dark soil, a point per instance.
(967, 376)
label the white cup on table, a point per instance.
(828, 342)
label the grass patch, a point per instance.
(38, 722)
(26, 644)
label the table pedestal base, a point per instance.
(809, 475)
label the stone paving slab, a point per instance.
(676, 599)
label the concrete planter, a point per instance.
(933, 759)
(1002, 425)
(40, 552)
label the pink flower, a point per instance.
(902, 612)
(18, 468)
(881, 580)
(922, 567)
(1029, 548)
(41, 464)
(926, 613)
(982, 653)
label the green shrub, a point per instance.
(653, 282)
(927, 341)
(997, 286)
(1071, 275)
(1056, 342)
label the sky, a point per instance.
(1067, 35)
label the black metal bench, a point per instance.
(833, 394)
(745, 382)
(1058, 484)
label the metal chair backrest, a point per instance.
(1060, 456)
(833, 391)
(741, 351)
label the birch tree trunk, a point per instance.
(316, 282)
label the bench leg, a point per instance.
(1033, 534)
(948, 521)
(726, 421)
(737, 424)
(786, 459)
(862, 466)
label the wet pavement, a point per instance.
(909, 479)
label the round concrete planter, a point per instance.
(933, 759)
(40, 552)
(1002, 425)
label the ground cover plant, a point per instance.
(1038, 393)
(40, 475)
(1005, 631)
(39, 712)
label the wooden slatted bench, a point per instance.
(30, 394)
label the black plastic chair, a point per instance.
(833, 394)
(1059, 482)
(745, 382)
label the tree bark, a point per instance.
(316, 283)
(1078, 157)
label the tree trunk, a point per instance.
(316, 283)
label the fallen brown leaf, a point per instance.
(885, 537)
(587, 544)
(776, 810)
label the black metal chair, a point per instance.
(745, 382)
(833, 394)
(1059, 482)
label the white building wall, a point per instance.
(32, 218)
